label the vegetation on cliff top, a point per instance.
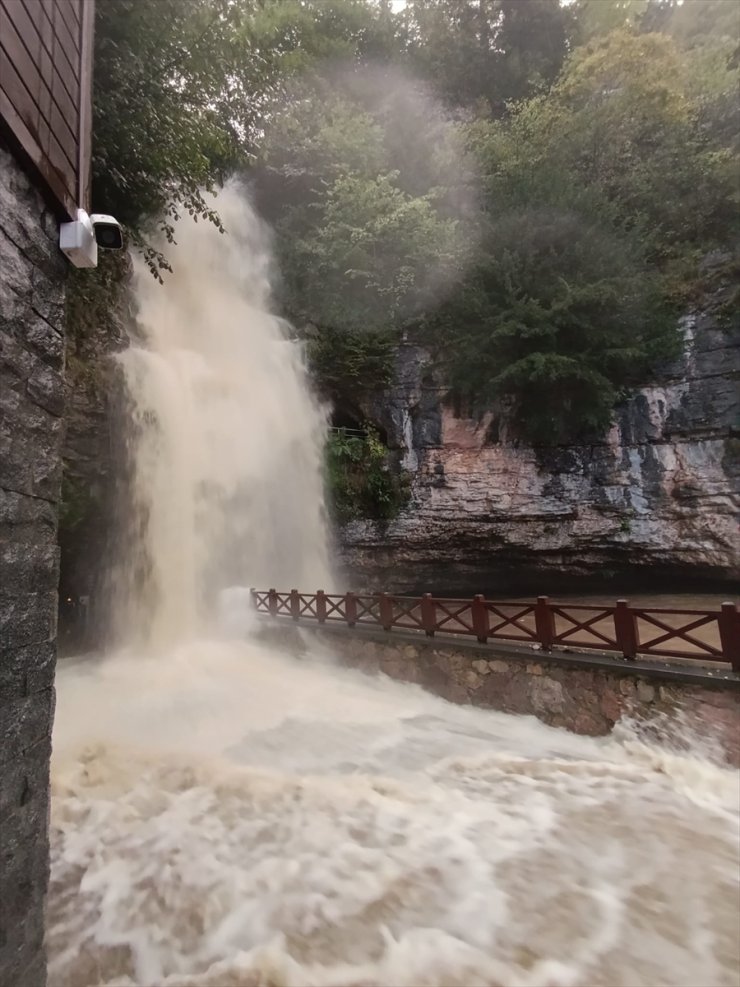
(542, 232)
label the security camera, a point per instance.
(79, 240)
(108, 232)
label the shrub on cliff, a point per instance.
(360, 482)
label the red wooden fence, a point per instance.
(704, 635)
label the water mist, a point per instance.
(227, 437)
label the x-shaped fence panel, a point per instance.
(508, 622)
(585, 627)
(335, 607)
(456, 616)
(368, 610)
(307, 605)
(406, 612)
(682, 642)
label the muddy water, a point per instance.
(227, 816)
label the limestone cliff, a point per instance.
(657, 497)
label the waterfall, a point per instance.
(227, 436)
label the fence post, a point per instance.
(253, 599)
(479, 612)
(272, 602)
(385, 606)
(544, 622)
(429, 615)
(350, 609)
(729, 634)
(321, 606)
(625, 628)
(295, 604)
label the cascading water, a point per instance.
(228, 439)
(228, 816)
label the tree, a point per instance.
(623, 119)
(364, 248)
(359, 478)
(374, 259)
(486, 52)
(175, 108)
(597, 18)
(182, 89)
(599, 197)
(558, 316)
(602, 171)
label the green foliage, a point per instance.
(560, 314)
(622, 120)
(360, 481)
(346, 363)
(600, 197)
(93, 298)
(173, 109)
(597, 18)
(306, 35)
(318, 140)
(486, 53)
(374, 258)
(364, 247)
(182, 89)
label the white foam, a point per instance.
(245, 817)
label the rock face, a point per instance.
(657, 497)
(32, 276)
(93, 453)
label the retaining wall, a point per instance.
(32, 274)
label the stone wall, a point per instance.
(32, 274)
(587, 694)
(656, 498)
(94, 452)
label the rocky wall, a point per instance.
(94, 451)
(32, 276)
(584, 694)
(654, 501)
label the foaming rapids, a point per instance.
(233, 816)
(227, 438)
(228, 815)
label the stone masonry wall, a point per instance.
(32, 274)
(584, 694)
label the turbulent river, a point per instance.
(225, 815)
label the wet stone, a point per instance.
(645, 692)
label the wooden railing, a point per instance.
(704, 635)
